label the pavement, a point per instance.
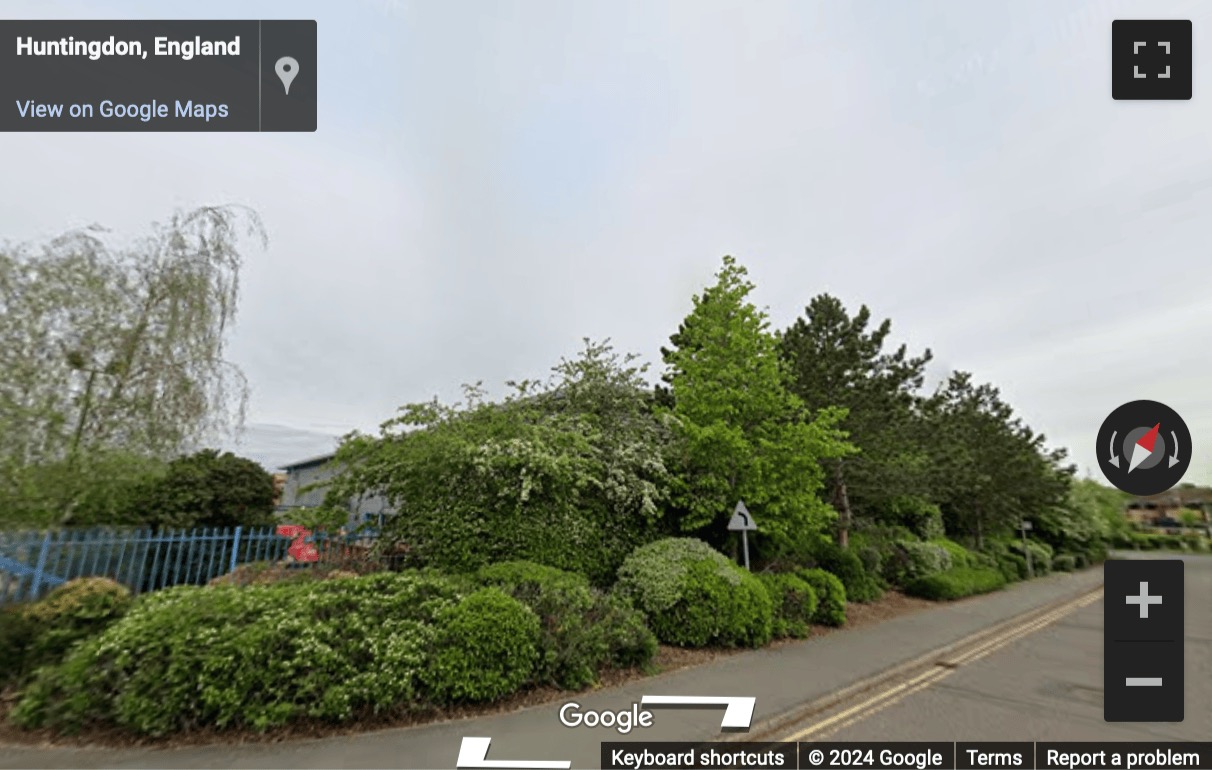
(782, 680)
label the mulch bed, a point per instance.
(668, 659)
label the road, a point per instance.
(1045, 686)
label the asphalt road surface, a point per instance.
(1044, 686)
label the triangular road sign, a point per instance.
(742, 520)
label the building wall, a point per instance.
(361, 510)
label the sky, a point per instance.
(490, 183)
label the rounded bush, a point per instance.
(843, 562)
(911, 559)
(795, 603)
(486, 648)
(830, 594)
(254, 657)
(74, 611)
(956, 583)
(1065, 562)
(582, 630)
(17, 634)
(693, 596)
(960, 556)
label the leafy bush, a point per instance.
(1041, 555)
(921, 517)
(911, 559)
(252, 657)
(582, 630)
(843, 562)
(486, 648)
(1012, 566)
(694, 596)
(1064, 562)
(956, 583)
(17, 634)
(960, 556)
(830, 594)
(76, 610)
(795, 603)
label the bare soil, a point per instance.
(668, 659)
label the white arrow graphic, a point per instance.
(1114, 456)
(472, 753)
(1174, 457)
(737, 714)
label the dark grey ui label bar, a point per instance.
(158, 75)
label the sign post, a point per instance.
(742, 522)
(1026, 527)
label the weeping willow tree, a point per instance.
(115, 354)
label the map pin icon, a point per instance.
(287, 68)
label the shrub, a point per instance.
(1041, 555)
(843, 562)
(694, 596)
(253, 657)
(486, 648)
(1012, 566)
(582, 630)
(1064, 562)
(830, 594)
(17, 634)
(956, 583)
(795, 603)
(923, 518)
(911, 559)
(74, 611)
(960, 556)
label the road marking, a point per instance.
(899, 692)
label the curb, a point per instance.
(773, 724)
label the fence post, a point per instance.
(235, 549)
(40, 568)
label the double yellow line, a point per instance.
(892, 695)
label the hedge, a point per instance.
(830, 594)
(795, 603)
(486, 647)
(861, 586)
(694, 596)
(956, 583)
(262, 656)
(582, 630)
(911, 559)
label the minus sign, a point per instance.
(1143, 681)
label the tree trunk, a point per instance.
(841, 501)
(980, 532)
(85, 407)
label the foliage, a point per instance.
(795, 603)
(76, 610)
(582, 631)
(911, 559)
(486, 648)
(741, 435)
(923, 518)
(960, 556)
(101, 488)
(255, 657)
(1040, 561)
(836, 360)
(956, 583)
(988, 466)
(208, 489)
(1091, 513)
(830, 594)
(860, 585)
(1064, 562)
(18, 632)
(570, 473)
(694, 596)
(116, 347)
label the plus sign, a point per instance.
(1144, 600)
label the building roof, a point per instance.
(1182, 495)
(317, 460)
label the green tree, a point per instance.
(837, 360)
(205, 489)
(1091, 513)
(989, 469)
(113, 347)
(568, 472)
(741, 434)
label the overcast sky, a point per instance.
(493, 181)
